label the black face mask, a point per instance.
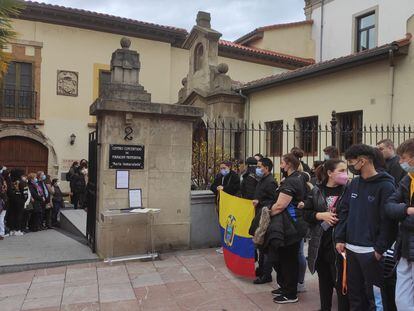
(353, 170)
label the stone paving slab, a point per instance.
(192, 280)
(43, 248)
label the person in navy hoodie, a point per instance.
(364, 232)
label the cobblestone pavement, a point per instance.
(187, 280)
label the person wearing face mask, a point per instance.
(321, 214)
(363, 232)
(249, 179)
(46, 212)
(37, 201)
(265, 195)
(227, 180)
(400, 207)
(57, 201)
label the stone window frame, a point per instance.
(18, 54)
(356, 17)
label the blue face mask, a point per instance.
(224, 171)
(259, 172)
(36, 180)
(407, 167)
(327, 157)
(43, 177)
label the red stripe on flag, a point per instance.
(239, 265)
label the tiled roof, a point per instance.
(327, 66)
(247, 37)
(281, 56)
(60, 15)
(32, 4)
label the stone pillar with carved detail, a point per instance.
(127, 119)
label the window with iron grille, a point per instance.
(307, 134)
(17, 100)
(349, 129)
(274, 138)
(366, 31)
(104, 79)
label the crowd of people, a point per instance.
(357, 215)
(32, 202)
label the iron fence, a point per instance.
(218, 140)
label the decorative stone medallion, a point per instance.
(67, 83)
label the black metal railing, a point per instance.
(217, 140)
(17, 104)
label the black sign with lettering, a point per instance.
(128, 157)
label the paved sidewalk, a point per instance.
(188, 280)
(38, 249)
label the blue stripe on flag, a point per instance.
(243, 247)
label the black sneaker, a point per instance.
(277, 292)
(282, 299)
(263, 280)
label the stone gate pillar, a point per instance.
(127, 117)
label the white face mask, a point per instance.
(58, 184)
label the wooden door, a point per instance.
(23, 153)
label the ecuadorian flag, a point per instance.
(236, 216)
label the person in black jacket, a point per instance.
(363, 232)
(299, 153)
(57, 201)
(400, 207)
(290, 193)
(227, 180)
(265, 195)
(249, 179)
(38, 200)
(392, 161)
(17, 201)
(320, 212)
(78, 186)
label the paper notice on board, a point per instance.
(135, 198)
(122, 179)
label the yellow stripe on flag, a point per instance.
(241, 210)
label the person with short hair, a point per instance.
(363, 232)
(392, 165)
(258, 156)
(321, 213)
(46, 212)
(330, 153)
(57, 201)
(227, 180)
(400, 207)
(249, 179)
(265, 195)
(35, 220)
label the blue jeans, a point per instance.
(302, 263)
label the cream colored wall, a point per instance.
(363, 88)
(84, 51)
(295, 41)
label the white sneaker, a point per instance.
(219, 250)
(18, 233)
(301, 288)
(11, 233)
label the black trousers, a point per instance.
(35, 220)
(15, 217)
(288, 269)
(365, 282)
(329, 266)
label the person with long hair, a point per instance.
(320, 212)
(290, 193)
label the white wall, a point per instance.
(338, 21)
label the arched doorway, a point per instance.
(24, 153)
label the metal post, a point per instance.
(334, 122)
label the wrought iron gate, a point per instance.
(91, 190)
